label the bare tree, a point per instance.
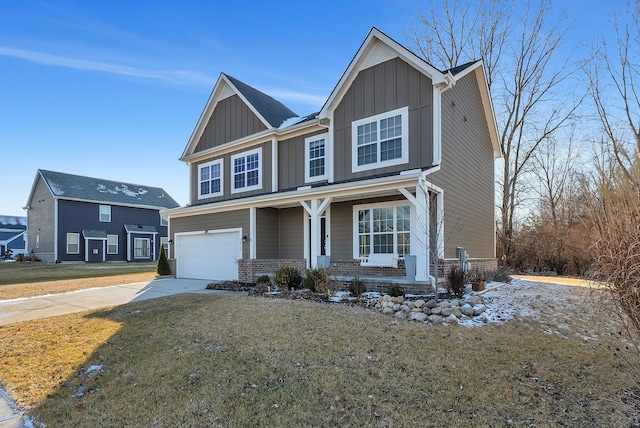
(526, 71)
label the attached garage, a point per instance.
(208, 255)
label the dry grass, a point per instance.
(25, 280)
(222, 361)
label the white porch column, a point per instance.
(315, 211)
(419, 229)
(252, 233)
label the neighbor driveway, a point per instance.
(30, 308)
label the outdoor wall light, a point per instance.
(244, 239)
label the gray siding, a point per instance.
(267, 231)
(225, 220)
(342, 230)
(228, 176)
(291, 233)
(231, 119)
(384, 87)
(467, 172)
(41, 221)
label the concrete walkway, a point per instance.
(31, 308)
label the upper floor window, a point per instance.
(105, 213)
(210, 182)
(247, 171)
(381, 140)
(315, 158)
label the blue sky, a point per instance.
(114, 89)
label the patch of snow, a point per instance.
(339, 296)
(56, 188)
(94, 368)
(291, 121)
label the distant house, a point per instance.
(393, 174)
(12, 234)
(75, 218)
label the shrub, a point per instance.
(262, 287)
(357, 287)
(287, 278)
(394, 290)
(456, 281)
(163, 263)
(263, 279)
(499, 275)
(316, 279)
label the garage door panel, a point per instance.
(209, 256)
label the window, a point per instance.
(164, 221)
(165, 241)
(112, 244)
(141, 248)
(382, 229)
(105, 213)
(73, 243)
(315, 158)
(381, 140)
(246, 171)
(210, 182)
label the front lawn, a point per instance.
(208, 360)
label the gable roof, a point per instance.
(13, 222)
(78, 187)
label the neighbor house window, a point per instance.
(165, 241)
(164, 221)
(141, 248)
(73, 243)
(247, 170)
(112, 244)
(105, 213)
(210, 182)
(382, 229)
(380, 141)
(315, 158)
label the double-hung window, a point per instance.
(382, 229)
(246, 171)
(112, 244)
(105, 213)
(73, 243)
(381, 140)
(315, 158)
(210, 182)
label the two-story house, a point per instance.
(72, 218)
(12, 235)
(397, 167)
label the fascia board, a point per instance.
(33, 187)
(489, 113)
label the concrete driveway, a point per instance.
(30, 308)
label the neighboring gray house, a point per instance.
(398, 165)
(12, 234)
(76, 218)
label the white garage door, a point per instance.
(212, 256)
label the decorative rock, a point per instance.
(396, 307)
(455, 303)
(467, 310)
(426, 310)
(418, 316)
(405, 308)
(445, 312)
(419, 303)
(456, 311)
(436, 311)
(445, 304)
(436, 319)
(482, 318)
(451, 319)
(473, 300)
(400, 315)
(387, 310)
(431, 304)
(411, 305)
(416, 310)
(478, 309)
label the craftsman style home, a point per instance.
(12, 235)
(72, 218)
(395, 172)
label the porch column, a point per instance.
(315, 211)
(252, 233)
(419, 229)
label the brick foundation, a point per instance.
(444, 266)
(250, 269)
(172, 266)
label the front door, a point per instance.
(94, 250)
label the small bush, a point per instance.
(357, 287)
(263, 279)
(395, 290)
(262, 288)
(499, 275)
(456, 281)
(287, 278)
(163, 263)
(316, 279)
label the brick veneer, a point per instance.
(250, 269)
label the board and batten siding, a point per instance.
(291, 161)
(41, 222)
(467, 172)
(267, 233)
(266, 178)
(384, 87)
(215, 221)
(231, 119)
(291, 243)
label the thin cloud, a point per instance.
(300, 97)
(182, 77)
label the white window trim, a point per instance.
(208, 164)
(260, 170)
(135, 240)
(108, 208)
(307, 160)
(404, 112)
(77, 235)
(356, 241)
(117, 244)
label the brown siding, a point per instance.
(267, 231)
(291, 161)
(228, 170)
(231, 119)
(291, 233)
(342, 230)
(384, 87)
(467, 172)
(224, 220)
(41, 221)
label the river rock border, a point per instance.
(450, 312)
